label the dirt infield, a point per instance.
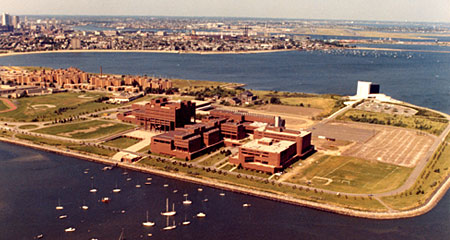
(391, 145)
(8, 103)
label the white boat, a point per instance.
(105, 200)
(186, 222)
(200, 189)
(246, 205)
(222, 194)
(149, 179)
(59, 207)
(205, 200)
(170, 227)
(165, 185)
(148, 183)
(187, 202)
(71, 229)
(117, 189)
(84, 207)
(148, 223)
(138, 185)
(40, 236)
(62, 216)
(93, 189)
(129, 179)
(175, 191)
(167, 212)
(201, 215)
(185, 195)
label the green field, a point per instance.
(68, 145)
(183, 84)
(213, 159)
(360, 203)
(348, 174)
(86, 130)
(121, 142)
(28, 126)
(54, 107)
(428, 124)
(328, 103)
(435, 172)
(3, 106)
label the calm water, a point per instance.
(33, 181)
(421, 78)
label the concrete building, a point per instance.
(6, 21)
(366, 88)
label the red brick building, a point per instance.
(273, 149)
(160, 114)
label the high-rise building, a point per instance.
(5, 19)
(15, 21)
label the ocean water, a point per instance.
(34, 181)
(421, 78)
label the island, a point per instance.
(366, 155)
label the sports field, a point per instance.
(349, 174)
(86, 130)
(54, 106)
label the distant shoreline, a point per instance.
(148, 51)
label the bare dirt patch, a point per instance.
(303, 111)
(39, 106)
(343, 131)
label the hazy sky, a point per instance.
(397, 10)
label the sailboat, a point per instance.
(117, 189)
(201, 215)
(70, 229)
(93, 189)
(59, 207)
(167, 212)
(186, 222)
(147, 223)
(170, 227)
(84, 206)
(187, 202)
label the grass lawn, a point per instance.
(28, 126)
(68, 145)
(86, 130)
(435, 172)
(54, 106)
(145, 149)
(428, 124)
(121, 142)
(361, 203)
(182, 84)
(328, 103)
(213, 159)
(3, 106)
(348, 174)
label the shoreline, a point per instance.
(430, 203)
(147, 51)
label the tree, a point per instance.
(275, 100)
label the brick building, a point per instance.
(160, 114)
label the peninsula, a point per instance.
(366, 155)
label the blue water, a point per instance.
(422, 78)
(32, 182)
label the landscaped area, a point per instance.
(87, 129)
(121, 142)
(54, 107)
(349, 174)
(434, 174)
(28, 126)
(69, 145)
(428, 124)
(3, 106)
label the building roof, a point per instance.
(274, 147)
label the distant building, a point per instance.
(15, 21)
(75, 43)
(367, 88)
(6, 21)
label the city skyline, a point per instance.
(401, 10)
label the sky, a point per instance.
(379, 10)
